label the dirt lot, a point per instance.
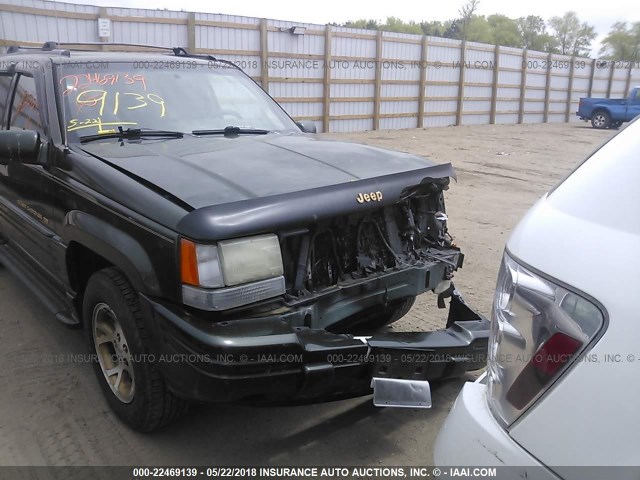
(52, 413)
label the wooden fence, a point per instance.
(347, 79)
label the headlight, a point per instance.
(252, 266)
(538, 329)
(250, 259)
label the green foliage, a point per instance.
(622, 43)
(573, 37)
(477, 30)
(533, 34)
(394, 24)
(435, 28)
(504, 31)
(566, 34)
(363, 23)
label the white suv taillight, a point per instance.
(538, 329)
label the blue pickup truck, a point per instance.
(610, 112)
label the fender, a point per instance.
(114, 245)
(600, 106)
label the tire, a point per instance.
(399, 310)
(137, 393)
(390, 314)
(600, 120)
(373, 319)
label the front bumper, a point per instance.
(268, 359)
(471, 436)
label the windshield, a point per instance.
(203, 97)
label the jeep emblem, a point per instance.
(369, 197)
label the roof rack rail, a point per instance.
(17, 48)
(64, 49)
(183, 52)
(56, 45)
(22, 49)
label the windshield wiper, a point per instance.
(232, 131)
(132, 134)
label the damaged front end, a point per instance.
(354, 258)
(337, 251)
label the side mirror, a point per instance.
(19, 146)
(307, 126)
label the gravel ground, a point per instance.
(52, 412)
(502, 170)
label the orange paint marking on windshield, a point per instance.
(74, 82)
(132, 79)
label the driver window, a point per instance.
(5, 85)
(25, 111)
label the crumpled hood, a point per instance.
(216, 170)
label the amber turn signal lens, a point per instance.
(188, 263)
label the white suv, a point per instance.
(562, 384)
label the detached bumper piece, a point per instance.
(436, 355)
(395, 392)
(267, 360)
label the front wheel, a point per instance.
(117, 334)
(601, 120)
(391, 313)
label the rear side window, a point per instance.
(25, 109)
(5, 83)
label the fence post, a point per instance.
(378, 84)
(547, 89)
(460, 105)
(628, 85)
(523, 85)
(610, 84)
(592, 77)
(326, 83)
(494, 86)
(191, 32)
(567, 113)
(264, 56)
(423, 81)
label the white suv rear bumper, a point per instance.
(471, 436)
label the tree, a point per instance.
(454, 29)
(573, 37)
(394, 24)
(568, 36)
(504, 30)
(477, 29)
(363, 23)
(434, 28)
(534, 36)
(467, 12)
(622, 43)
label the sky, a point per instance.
(600, 14)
